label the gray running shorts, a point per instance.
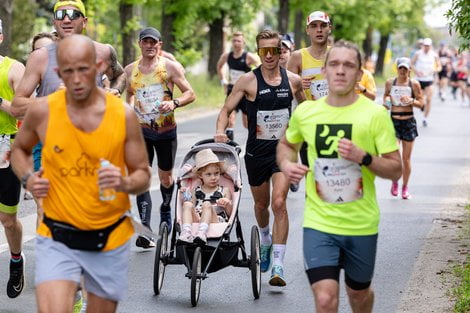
(105, 273)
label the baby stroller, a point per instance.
(220, 251)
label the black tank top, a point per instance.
(268, 115)
(238, 64)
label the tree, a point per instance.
(283, 16)
(459, 21)
(128, 26)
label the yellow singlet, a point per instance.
(311, 68)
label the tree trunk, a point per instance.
(379, 67)
(126, 13)
(6, 12)
(283, 16)
(367, 43)
(216, 44)
(299, 29)
(167, 28)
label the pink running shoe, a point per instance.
(404, 193)
(394, 190)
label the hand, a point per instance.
(223, 202)
(406, 99)
(360, 88)
(349, 151)
(113, 91)
(294, 171)
(306, 82)
(110, 177)
(37, 185)
(166, 107)
(221, 137)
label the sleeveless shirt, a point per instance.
(311, 68)
(7, 122)
(237, 67)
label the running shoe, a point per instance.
(294, 187)
(165, 216)
(277, 276)
(145, 242)
(394, 189)
(265, 256)
(404, 193)
(200, 238)
(15, 283)
(185, 237)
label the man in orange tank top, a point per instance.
(82, 233)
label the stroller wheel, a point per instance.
(196, 278)
(160, 252)
(255, 262)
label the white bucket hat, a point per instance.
(206, 157)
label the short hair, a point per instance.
(52, 36)
(268, 34)
(237, 34)
(348, 45)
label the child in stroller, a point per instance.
(206, 203)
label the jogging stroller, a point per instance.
(220, 251)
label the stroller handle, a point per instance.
(211, 140)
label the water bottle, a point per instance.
(107, 194)
(388, 102)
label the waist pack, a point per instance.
(74, 238)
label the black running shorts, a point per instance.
(260, 170)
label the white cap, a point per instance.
(403, 62)
(427, 42)
(318, 16)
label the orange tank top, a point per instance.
(70, 158)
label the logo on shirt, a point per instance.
(58, 149)
(264, 91)
(327, 137)
(83, 168)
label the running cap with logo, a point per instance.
(318, 16)
(404, 62)
(287, 41)
(150, 32)
(427, 42)
(206, 157)
(74, 3)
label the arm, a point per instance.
(115, 72)
(226, 201)
(286, 155)
(388, 86)
(220, 66)
(418, 100)
(14, 77)
(413, 65)
(387, 166)
(138, 180)
(296, 81)
(367, 85)
(252, 60)
(130, 92)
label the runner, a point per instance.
(341, 214)
(307, 62)
(70, 240)
(239, 62)
(445, 57)
(366, 85)
(403, 93)
(11, 72)
(425, 64)
(268, 92)
(151, 80)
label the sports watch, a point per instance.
(176, 102)
(24, 179)
(366, 160)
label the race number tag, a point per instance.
(5, 151)
(235, 75)
(338, 180)
(271, 125)
(147, 101)
(319, 88)
(396, 92)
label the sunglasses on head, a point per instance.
(71, 13)
(271, 50)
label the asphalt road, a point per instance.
(441, 152)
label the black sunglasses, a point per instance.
(71, 13)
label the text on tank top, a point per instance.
(311, 68)
(150, 90)
(237, 67)
(396, 92)
(268, 115)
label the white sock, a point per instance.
(265, 236)
(203, 227)
(278, 254)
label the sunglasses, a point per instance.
(271, 50)
(71, 13)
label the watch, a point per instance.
(25, 177)
(364, 90)
(176, 102)
(366, 160)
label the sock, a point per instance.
(265, 236)
(144, 204)
(16, 257)
(278, 254)
(167, 193)
(203, 227)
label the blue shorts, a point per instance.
(105, 273)
(325, 254)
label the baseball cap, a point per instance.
(427, 41)
(404, 62)
(150, 32)
(287, 41)
(74, 3)
(318, 16)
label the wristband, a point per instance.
(223, 82)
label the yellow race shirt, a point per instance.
(367, 80)
(311, 68)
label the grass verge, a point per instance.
(209, 93)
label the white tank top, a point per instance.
(426, 64)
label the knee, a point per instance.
(261, 205)
(8, 220)
(359, 297)
(279, 206)
(326, 301)
(166, 180)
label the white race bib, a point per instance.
(5, 151)
(338, 180)
(235, 75)
(396, 92)
(319, 88)
(147, 101)
(271, 125)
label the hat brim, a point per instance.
(150, 36)
(220, 163)
(403, 65)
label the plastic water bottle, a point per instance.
(107, 194)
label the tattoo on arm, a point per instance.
(116, 73)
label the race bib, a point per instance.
(319, 88)
(235, 75)
(5, 151)
(396, 92)
(271, 125)
(147, 101)
(338, 180)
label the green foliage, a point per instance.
(209, 93)
(459, 21)
(24, 13)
